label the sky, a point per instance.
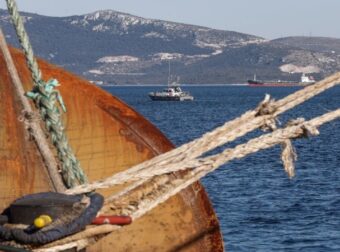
(266, 18)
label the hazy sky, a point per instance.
(267, 18)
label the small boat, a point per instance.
(305, 80)
(172, 93)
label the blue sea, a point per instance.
(259, 207)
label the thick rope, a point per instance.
(79, 244)
(288, 155)
(74, 221)
(196, 169)
(230, 131)
(200, 168)
(33, 127)
(24, 41)
(45, 98)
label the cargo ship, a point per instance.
(305, 80)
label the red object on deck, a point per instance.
(112, 219)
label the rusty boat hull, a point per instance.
(107, 136)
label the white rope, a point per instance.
(230, 131)
(202, 167)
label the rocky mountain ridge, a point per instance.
(114, 47)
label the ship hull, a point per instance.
(108, 137)
(171, 98)
(252, 83)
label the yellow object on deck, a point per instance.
(42, 221)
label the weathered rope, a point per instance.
(24, 41)
(230, 131)
(288, 157)
(288, 154)
(45, 99)
(185, 158)
(83, 211)
(198, 169)
(79, 244)
(33, 126)
(201, 167)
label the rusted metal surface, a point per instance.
(107, 136)
(21, 169)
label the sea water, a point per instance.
(259, 207)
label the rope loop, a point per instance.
(83, 211)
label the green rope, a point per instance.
(24, 41)
(46, 98)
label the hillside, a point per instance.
(317, 44)
(115, 47)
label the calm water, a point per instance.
(259, 208)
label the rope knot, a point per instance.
(267, 107)
(295, 122)
(44, 95)
(307, 129)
